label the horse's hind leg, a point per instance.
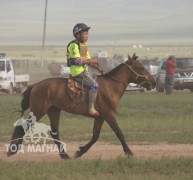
(16, 140)
(96, 132)
(54, 115)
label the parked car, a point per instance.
(64, 71)
(59, 69)
(183, 76)
(135, 87)
(160, 77)
(151, 66)
(54, 69)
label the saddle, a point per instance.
(77, 93)
(74, 86)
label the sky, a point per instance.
(114, 22)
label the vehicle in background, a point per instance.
(135, 87)
(9, 81)
(160, 77)
(183, 76)
(151, 66)
(65, 71)
(102, 54)
(115, 61)
(103, 59)
(59, 69)
(55, 69)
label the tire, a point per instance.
(11, 89)
(159, 88)
(142, 90)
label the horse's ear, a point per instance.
(130, 60)
(134, 57)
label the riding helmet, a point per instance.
(80, 27)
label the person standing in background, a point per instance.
(169, 80)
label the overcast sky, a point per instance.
(112, 21)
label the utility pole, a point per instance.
(44, 34)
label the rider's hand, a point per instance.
(93, 61)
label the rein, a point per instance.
(100, 69)
(138, 75)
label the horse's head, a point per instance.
(140, 75)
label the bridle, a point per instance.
(137, 75)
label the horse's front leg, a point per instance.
(111, 120)
(54, 115)
(96, 132)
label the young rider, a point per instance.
(78, 59)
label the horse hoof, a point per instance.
(64, 156)
(9, 154)
(77, 154)
(13, 149)
(130, 154)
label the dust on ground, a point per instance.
(103, 150)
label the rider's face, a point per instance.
(83, 37)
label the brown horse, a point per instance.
(50, 96)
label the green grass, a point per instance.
(151, 117)
(119, 168)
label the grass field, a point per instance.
(119, 168)
(151, 117)
(143, 117)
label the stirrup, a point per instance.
(96, 114)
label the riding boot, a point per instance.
(92, 98)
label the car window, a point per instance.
(2, 65)
(184, 62)
(163, 66)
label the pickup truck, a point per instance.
(183, 76)
(9, 81)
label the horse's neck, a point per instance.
(120, 73)
(117, 80)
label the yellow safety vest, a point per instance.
(76, 50)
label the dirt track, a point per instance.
(103, 150)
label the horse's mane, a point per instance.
(113, 71)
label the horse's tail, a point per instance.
(25, 100)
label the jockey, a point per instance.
(78, 59)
